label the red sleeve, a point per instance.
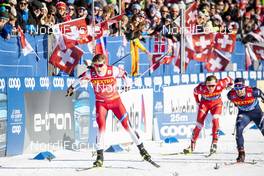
(196, 92)
(226, 82)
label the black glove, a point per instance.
(70, 91)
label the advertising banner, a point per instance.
(48, 108)
(179, 113)
(49, 119)
(3, 116)
(139, 104)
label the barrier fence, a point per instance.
(35, 112)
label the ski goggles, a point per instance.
(239, 86)
(211, 85)
(98, 65)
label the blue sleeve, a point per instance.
(258, 93)
(229, 95)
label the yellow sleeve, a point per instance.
(139, 45)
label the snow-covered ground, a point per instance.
(129, 162)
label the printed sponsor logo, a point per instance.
(60, 121)
(44, 82)
(2, 84)
(70, 81)
(16, 115)
(16, 129)
(179, 130)
(58, 82)
(30, 83)
(14, 83)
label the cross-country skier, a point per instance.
(103, 79)
(246, 99)
(208, 98)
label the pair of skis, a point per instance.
(218, 165)
(94, 167)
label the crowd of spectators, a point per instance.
(142, 17)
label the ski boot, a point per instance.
(213, 148)
(241, 156)
(99, 159)
(190, 149)
(144, 153)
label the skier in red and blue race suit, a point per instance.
(103, 79)
(208, 98)
(246, 99)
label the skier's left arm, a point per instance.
(226, 82)
(258, 93)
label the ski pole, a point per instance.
(120, 59)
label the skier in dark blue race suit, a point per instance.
(246, 99)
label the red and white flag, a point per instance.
(216, 62)
(200, 57)
(248, 61)
(66, 55)
(191, 14)
(225, 42)
(105, 24)
(26, 47)
(259, 51)
(201, 42)
(75, 29)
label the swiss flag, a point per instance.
(75, 29)
(216, 62)
(200, 57)
(191, 14)
(225, 42)
(259, 51)
(26, 47)
(66, 55)
(105, 24)
(202, 42)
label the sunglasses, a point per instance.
(98, 65)
(239, 87)
(211, 86)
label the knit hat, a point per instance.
(61, 5)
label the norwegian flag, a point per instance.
(216, 62)
(26, 47)
(225, 42)
(259, 51)
(201, 42)
(158, 49)
(159, 45)
(66, 55)
(191, 14)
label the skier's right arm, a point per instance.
(196, 93)
(84, 76)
